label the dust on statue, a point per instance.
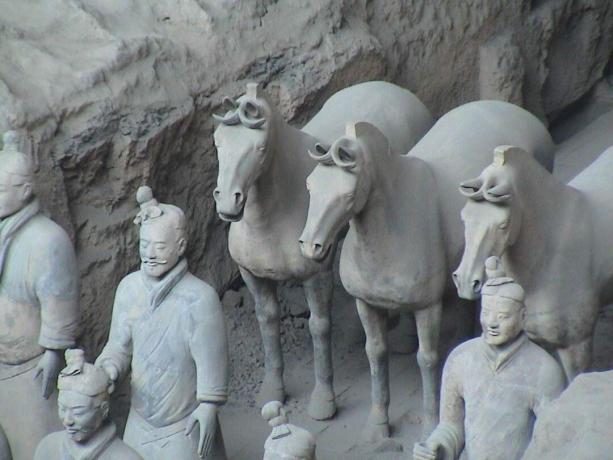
(83, 404)
(168, 326)
(39, 305)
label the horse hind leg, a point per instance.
(318, 291)
(576, 358)
(267, 311)
(374, 322)
(428, 322)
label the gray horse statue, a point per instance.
(263, 164)
(405, 234)
(555, 239)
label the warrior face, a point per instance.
(502, 319)
(161, 246)
(81, 415)
(15, 192)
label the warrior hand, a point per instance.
(49, 366)
(206, 416)
(425, 451)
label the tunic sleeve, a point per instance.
(57, 290)
(551, 383)
(209, 349)
(118, 349)
(449, 434)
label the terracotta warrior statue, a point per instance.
(287, 441)
(494, 386)
(83, 403)
(168, 327)
(39, 298)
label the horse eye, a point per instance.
(504, 225)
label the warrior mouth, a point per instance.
(151, 263)
(231, 217)
(493, 333)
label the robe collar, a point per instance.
(499, 357)
(93, 447)
(11, 224)
(159, 289)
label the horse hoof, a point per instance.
(322, 406)
(375, 433)
(270, 391)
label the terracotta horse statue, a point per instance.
(263, 164)
(405, 233)
(555, 239)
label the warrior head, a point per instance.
(502, 307)
(163, 237)
(83, 398)
(16, 176)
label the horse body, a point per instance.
(405, 231)
(393, 254)
(263, 167)
(559, 250)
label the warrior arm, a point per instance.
(57, 289)
(209, 348)
(117, 352)
(449, 434)
(551, 383)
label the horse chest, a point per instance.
(388, 285)
(269, 254)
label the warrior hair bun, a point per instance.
(144, 194)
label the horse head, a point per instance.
(243, 153)
(492, 220)
(339, 186)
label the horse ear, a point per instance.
(503, 153)
(472, 188)
(374, 139)
(254, 90)
(498, 193)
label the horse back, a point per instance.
(461, 144)
(596, 184)
(395, 111)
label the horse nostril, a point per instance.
(216, 193)
(301, 242)
(476, 285)
(238, 197)
(456, 280)
(317, 246)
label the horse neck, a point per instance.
(542, 199)
(391, 202)
(283, 180)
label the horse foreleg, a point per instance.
(374, 322)
(576, 358)
(428, 322)
(267, 311)
(318, 292)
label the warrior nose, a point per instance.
(311, 250)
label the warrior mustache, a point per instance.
(155, 261)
